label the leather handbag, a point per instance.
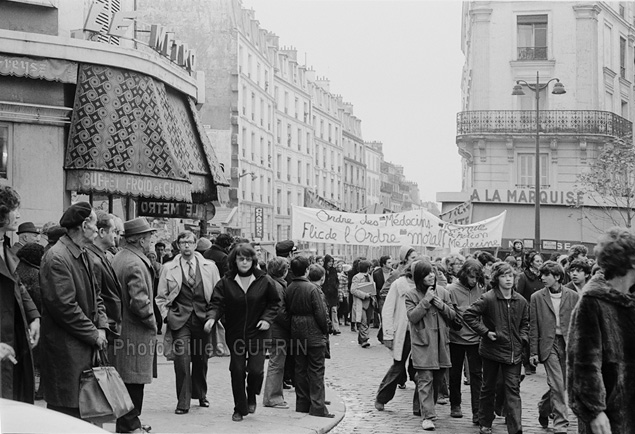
(102, 392)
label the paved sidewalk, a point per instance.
(160, 401)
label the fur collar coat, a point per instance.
(601, 356)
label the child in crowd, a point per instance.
(501, 318)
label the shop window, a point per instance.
(4, 151)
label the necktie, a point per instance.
(191, 276)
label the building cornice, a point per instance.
(82, 51)
(586, 11)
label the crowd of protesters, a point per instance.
(94, 283)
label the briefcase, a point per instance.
(102, 392)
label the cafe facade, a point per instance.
(85, 114)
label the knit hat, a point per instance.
(203, 244)
(404, 252)
(31, 253)
(75, 215)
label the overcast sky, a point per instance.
(398, 62)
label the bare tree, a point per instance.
(608, 187)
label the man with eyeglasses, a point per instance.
(185, 289)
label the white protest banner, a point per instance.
(416, 228)
(460, 215)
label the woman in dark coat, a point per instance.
(249, 300)
(19, 318)
(600, 362)
(331, 291)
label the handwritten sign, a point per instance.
(461, 215)
(415, 228)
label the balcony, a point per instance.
(532, 53)
(551, 122)
(386, 187)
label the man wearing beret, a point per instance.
(74, 321)
(134, 350)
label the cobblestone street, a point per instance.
(355, 373)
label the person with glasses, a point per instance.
(20, 319)
(185, 288)
(248, 299)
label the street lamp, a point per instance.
(558, 89)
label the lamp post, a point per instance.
(558, 89)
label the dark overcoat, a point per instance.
(72, 311)
(17, 310)
(134, 350)
(601, 357)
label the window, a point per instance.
(4, 151)
(532, 37)
(608, 48)
(527, 171)
(622, 57)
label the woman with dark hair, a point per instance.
(501, 318)
(20, 319)
(249, 300)
(464, 342)
(527, 283)
(429, 313)
(600, 363)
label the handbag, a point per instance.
(102, 392)
(218, 347)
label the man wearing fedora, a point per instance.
(185, 289)
(134, 350)
(74, 322)
(27, 233)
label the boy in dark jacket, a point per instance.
(501, 318)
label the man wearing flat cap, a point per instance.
(134, 350)
(27, 233)
(74, 321)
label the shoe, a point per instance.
(427, 425)
(543, 421)
(337, 332)
(327, 402)
(139, 430)
(475, 420)
(365, 345)
(282, 405)
(203, 402)
(286, 385)
(455, 411)
(331, 415)
(252, 408)
(146, 428)
(181, 411)
(237, 417)
(402, 386)
(379, 406)
(466, 381)
(485, 430)
(443, 400)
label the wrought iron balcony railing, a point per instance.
(551, 122)
(532, 53)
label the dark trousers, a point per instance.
(289, 369)
(189, 349)
(457, 356)
(397, 375)
(249, 364)
(130, 421)
(309, 381)
(70, 411)
(513, 405)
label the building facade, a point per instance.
(374, 156)
(85, 110)
(588, 46)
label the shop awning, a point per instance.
(131, 135)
